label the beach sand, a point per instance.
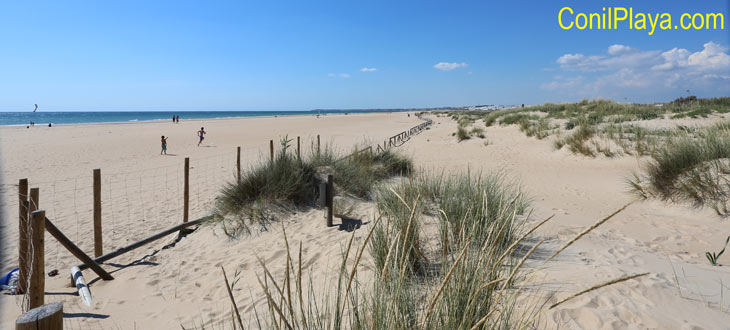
(156, 288)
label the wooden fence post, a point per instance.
(47, 317)
(330, 194)
(34, 200)
(299, 148)
(23, 235)
(186, 191)
(98, 249)
(238, 163)
(37, 287)
(318, 145)
(32, 207)
(71, 247)
(271, 149)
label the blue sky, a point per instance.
(301, 55)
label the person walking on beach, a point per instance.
(164, 145)
(173, 119)
(201, 132)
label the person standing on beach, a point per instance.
(164, 145)
(173, 118)
(201, 132)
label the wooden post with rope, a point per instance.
(98, 249)
(34, 200)
(37, 287)
(23, 235)
(186, 191)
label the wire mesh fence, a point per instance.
(139, 202)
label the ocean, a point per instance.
(74, 117)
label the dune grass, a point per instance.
(603, 118)
(690, 169)
(449, 252)
(289, 181)
(466, 280)
(576, 141)
(462, 134)
(473, 277)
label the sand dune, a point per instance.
(161, 288)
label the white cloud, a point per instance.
(618, 49)
(710, 59)
(446, 66)
(341, 75)
(366, 69)
(625, 70)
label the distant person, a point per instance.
(164, 145)
(173, 119)
(50, 125)
(177, 119)
(201, 132)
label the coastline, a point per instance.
(273, 115)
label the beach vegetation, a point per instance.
(288, 181)
(448, 252)
(462, 134)
(712, 257)
(690, 168)
(609, 125)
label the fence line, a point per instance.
(135, 203)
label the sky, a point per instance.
(302, 55)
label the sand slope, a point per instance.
(649, 236)
(164, 288)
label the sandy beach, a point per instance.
(181, 284)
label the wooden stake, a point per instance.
(143, 242)
(322, 201)
(47, 317)
(330, 198)
(238, 163)
(23, 235)
(271, 148)
(186, 191)
(318, 145)
(98, 249)
(37, 287)
(299, 148)
(32, 207)
(78, 253)
(34, 200)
